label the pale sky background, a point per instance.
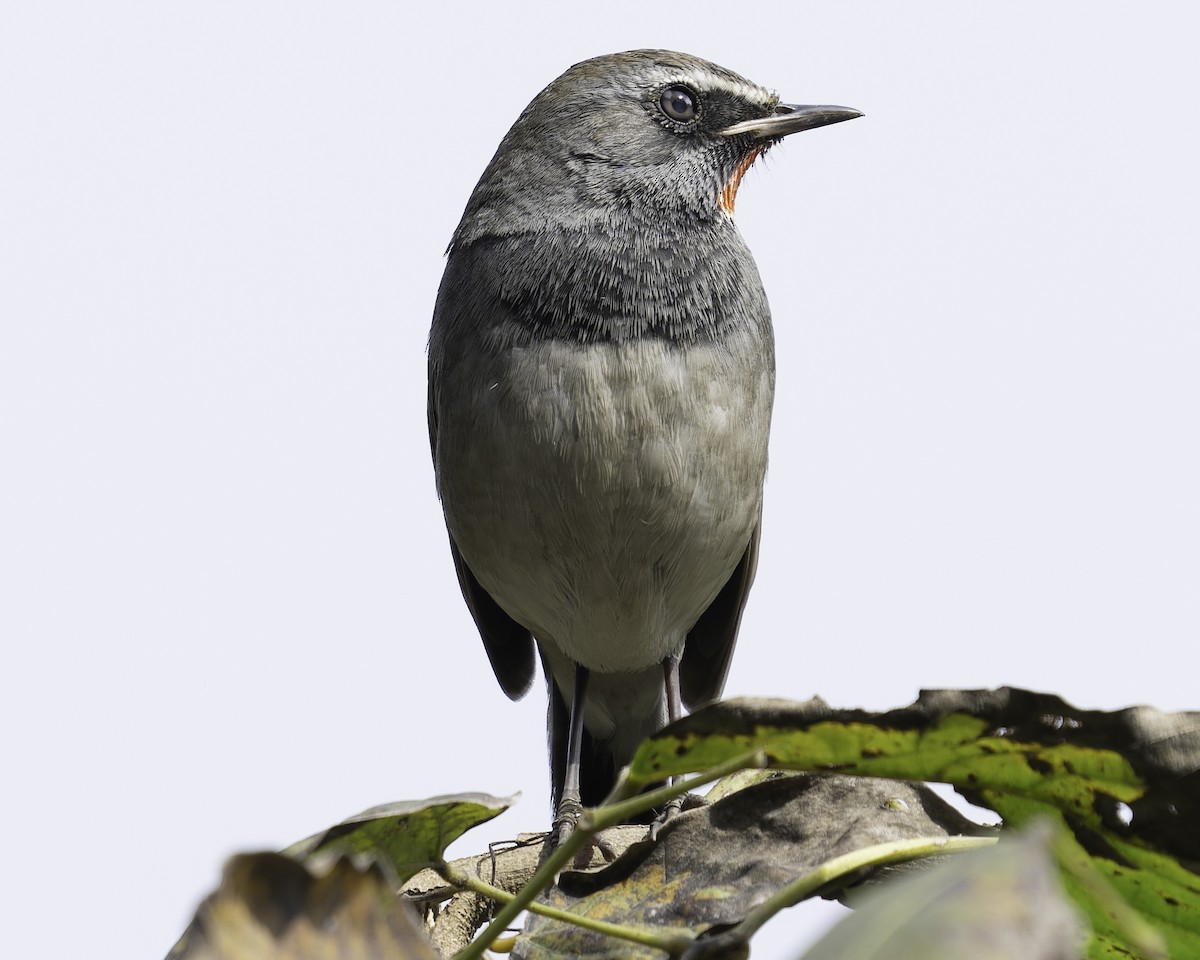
(227, 607)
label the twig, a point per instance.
(589, 823)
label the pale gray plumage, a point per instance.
(601, 373)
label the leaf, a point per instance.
(1003, 903)
(269, 907)
(408, 836)
(711, 866)
(1125, 785)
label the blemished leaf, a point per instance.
(408, 836)
(270, 907)
(1003, 903)
(711, 865)
(1125, 785)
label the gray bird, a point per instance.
(601, 373)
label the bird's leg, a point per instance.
(671, 682)
(674, 712)
(570, 804)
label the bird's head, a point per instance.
(647, 132)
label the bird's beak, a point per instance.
(791, 118)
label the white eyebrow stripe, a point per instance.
(711, 81)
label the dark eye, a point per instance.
(678, 103)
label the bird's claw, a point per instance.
(569, 810)
(674, 805)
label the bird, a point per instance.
(601, 378)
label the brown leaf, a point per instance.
(269, 907)
(710, 866)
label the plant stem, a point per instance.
(876, 855)
(589, 823)
(622, 811)
(672, 944)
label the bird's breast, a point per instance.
(603, 492)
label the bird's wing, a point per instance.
(709, 645)
(509, 645)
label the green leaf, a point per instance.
(1125, 785)
(408, 836)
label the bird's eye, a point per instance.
(679, 103)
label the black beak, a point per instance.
(791, 118)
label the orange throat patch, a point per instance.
(729, 191)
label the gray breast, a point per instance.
(601, 464)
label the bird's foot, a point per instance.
(674, 805)
(569, 810)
